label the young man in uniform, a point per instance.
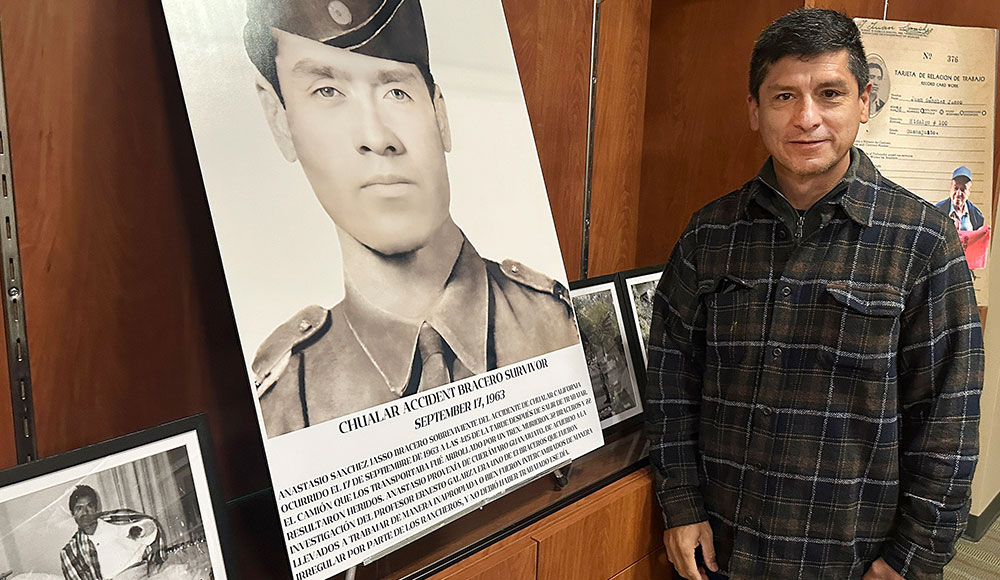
(815, 357)
(347, 91)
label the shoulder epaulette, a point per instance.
(535, 280)
(273, 354)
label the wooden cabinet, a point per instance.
(653, 567)
(513, 559)
(614, 533)
(602, 534)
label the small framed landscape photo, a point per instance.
(639, 286)
(609, 361)
(139, 506)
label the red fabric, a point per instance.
(976, 244)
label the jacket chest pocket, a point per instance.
(727, 308)
(866, 324)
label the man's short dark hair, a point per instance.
(808, 32)
(82, 491)
(263, 50)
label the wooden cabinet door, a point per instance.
(603, 534)
(509, 560)
(653, 567)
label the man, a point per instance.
(877, 99)
(347, 91)
(124, 538)
(815, 357)
(958, 206)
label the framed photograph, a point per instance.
(639, 286)
(605, 344)
(139, 506)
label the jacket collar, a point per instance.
(860, 185)
(459, 316)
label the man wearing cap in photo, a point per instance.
(347, 90)
(958, 206)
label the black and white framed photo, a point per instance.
(639, 286)
(600, 319)
(139, 506)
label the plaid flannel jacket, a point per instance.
(79, 556)
(816, 397)
(79, 559)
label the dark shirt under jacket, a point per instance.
(814, 382)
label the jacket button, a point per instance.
(776, 352)
(786, 291)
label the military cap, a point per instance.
(389, 29)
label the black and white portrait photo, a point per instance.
(878, 75)
(376, 195)
(385, 233)
(139, 514)
(602, 330)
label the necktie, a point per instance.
(431, 363)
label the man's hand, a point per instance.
(681, 542)
(881, 571)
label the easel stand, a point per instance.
(561, 474)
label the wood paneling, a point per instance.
(552, 45)
(129, 321)
(853, 8)
(697, 144)
(623, 48)
(509, 560)
(603, 534)
(653, 567)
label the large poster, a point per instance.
(391, 259)
(931, 122)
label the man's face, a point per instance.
(808, 113)
(960, 193)
(85, 510)
(371, 140)
(875, 76)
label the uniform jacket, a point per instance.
(325, 363)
